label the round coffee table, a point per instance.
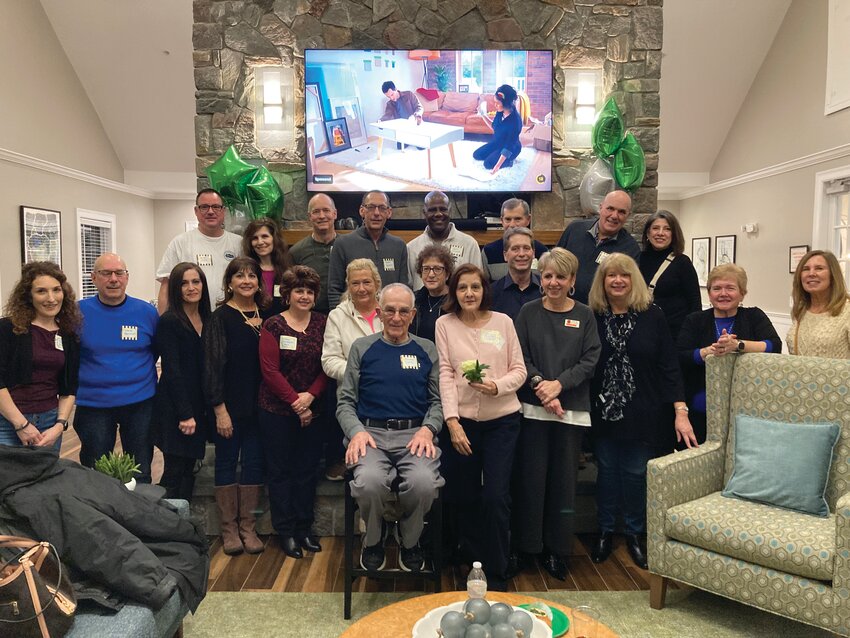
(397, 620)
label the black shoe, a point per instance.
(291, 547)
(310, 543)
(555, 565)
(373, 558)
(603, 548)
(410, 559)
(636, 551)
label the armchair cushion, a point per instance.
(784, 464)
(760, 534)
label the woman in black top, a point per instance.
(434, 266)
(725, 328)
(231, 386)
(636, 378)
(676, 291)
(181, 416)
(39, 358)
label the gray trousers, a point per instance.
(419, 480)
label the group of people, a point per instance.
(482, 382)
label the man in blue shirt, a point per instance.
(521, 284)
(390, 412)
(515, 213)
(117, 368)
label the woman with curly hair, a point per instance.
(39, 358)
(263, 242)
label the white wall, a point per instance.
(781, 120)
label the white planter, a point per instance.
(131, 485)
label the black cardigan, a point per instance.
(16, 360)
(699, 331)
(676, 291)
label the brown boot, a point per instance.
(249, 501)
(227, 499)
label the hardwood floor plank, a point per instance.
(585, 575)
(265, 572)
(300, 570)
(613, 571)
(236, 572)
(638, 575)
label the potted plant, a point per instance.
(121, 466)
(441, 77)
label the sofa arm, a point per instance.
(841, 569)
(675, 479)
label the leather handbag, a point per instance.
(36, 597)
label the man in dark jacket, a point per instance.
(400, 104)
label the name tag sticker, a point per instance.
(129, 333)
(288, 343)
(572, 323)
(203, 259)
(456, 250)
(534, 264)
(493, 338)
(277, 290)
(602, 256)
(389, 264)
(409, 362)
(57, 343)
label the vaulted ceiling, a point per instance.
(134, 59)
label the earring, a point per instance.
(542, 292)
(572, 291)
(229, 289)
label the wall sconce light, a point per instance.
(585, 108)
(273, 106)
(424, 55)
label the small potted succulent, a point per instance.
(121, 466)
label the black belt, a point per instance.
(393, 424)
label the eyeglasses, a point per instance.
(371, 207)
(108, 273)
(437, 270)
(437, 209)
(404, 313)
(205, 208)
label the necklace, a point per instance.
(437, 303)
(249, 321)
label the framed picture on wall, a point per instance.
(724, 249)
(701, 256)
(41, 235)
(338, 137)
(795, 254)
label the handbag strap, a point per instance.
(27, 564)
(33, 556)
(664, 265)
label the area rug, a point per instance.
(412, 165)
(688, 614)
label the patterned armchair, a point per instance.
(784, 562)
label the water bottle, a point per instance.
(476, 582)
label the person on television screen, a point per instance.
(400, 104)
(503, 149)
(515, 214)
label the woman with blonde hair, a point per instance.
(637, 377)
(820, 314)
(39, 358)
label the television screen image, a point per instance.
(423, 119)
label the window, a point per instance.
(511, 69)
(837, 203)
(95, 236)
(470, 68)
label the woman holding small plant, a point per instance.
(481, 368)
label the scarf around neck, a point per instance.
(618, 379)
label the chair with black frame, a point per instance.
(433, 532)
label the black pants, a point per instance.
(546, 472)
(477, 492)
(178, 476)
(292, 454)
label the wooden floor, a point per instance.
(323, 572)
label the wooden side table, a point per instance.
(397, 620)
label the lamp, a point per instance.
(274, 120)
(424, 55)
(586, 98)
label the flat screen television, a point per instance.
(359, 139)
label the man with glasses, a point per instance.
(209, 246)
(315, 249)
(390, 428)
(117, 368)
(592, 240)
(369, 241)
(515, 214)
(441, 231)
(521, 284)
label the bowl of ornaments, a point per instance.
(477, 618)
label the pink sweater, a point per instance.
(495, 344)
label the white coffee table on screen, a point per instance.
(427, 135)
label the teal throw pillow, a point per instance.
(783, 464)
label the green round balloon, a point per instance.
(629, 164)
(607, 133)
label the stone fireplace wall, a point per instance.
(623, 37)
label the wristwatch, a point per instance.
(64, 423)
(535, 381)
(432, 428)
(740, 346)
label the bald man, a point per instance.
(315, 251)
(117, 368)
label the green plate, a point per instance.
(560, 622)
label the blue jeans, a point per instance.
(97, 428)
(41, 420)
(246, 443)
(621, 483)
